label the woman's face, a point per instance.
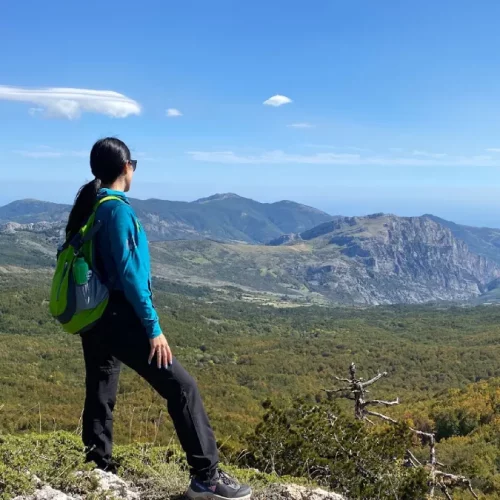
(130, 167)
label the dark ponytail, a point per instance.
(107, 162)
(84, 203)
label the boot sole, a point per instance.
(194, 495)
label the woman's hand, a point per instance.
(160, 348)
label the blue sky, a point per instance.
(395, 105)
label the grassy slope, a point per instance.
(241, 354)
(254, 267)
(160, 472)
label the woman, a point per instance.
(129, 332)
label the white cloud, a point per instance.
(173, 113)
(344, 159)
(301, 125)
(277, 100)
(270, 157)
(35, 111)
(330, 146)
(48, 152)
(493, 150)
(141, 156)
(71, 103)
(428, 155)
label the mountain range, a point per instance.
(287, 249)
(226, 217)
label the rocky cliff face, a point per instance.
(385, 259)
(378, 259)
(51, 229)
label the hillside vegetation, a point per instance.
(256, 327)
(243, 354)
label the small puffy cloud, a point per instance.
(173, 113)
(277, 100)
(71, 103)
(493, 150)
(301, 125)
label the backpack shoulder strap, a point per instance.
(91, 227)
(102, 200)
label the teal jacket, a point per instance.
(122, 257)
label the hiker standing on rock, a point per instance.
(129, 331)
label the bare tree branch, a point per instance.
(383, 417)
(369, 421)
(381, 402)
(414, 458)
(446, 493)
(458, 480)
(357, 392)
(422, 433)
(373, 380)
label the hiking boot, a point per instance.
(105, 465)
(110, 467)
(221, 486)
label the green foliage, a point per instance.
(51, 458)
(318, 441)
(243, 353)
(54, 458)
(467, 409)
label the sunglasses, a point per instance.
(134, 164)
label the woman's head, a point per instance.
(111, 163)
(112, 167)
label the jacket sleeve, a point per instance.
(132, 265)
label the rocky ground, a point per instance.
(109, 486)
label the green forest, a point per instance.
(254, 362)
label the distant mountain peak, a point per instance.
(219, 197)
(223, 216)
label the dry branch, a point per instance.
(357, 391)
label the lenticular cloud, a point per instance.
(71, 103)
(277, 100)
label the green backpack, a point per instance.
(78, 298)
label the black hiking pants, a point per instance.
(120, 337)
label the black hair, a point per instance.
(107, 160)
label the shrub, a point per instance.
(318, 441)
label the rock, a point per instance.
(107, 483)
(117, 488)
(295, 492)
(48, 493)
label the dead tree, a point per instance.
(355, 390)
